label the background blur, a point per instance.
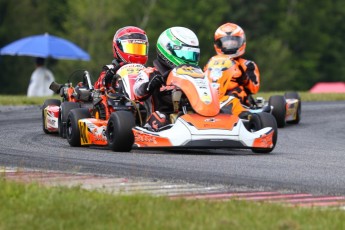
(295, 43)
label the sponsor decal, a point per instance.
(99, 134)
(190, 71)
(141, 137)
(83, 133)
(137, 41)
(210, 126)
(212, 120)
(206, 99)
(216, 73)
(291, 110)
(51, 122)
(128, 70)
(50, 113)
(211, 123)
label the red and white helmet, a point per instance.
(230, 39)
(130, 44)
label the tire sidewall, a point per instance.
(119, 131)
(72, 127)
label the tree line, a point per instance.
(295, 43)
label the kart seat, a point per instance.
(83, 94)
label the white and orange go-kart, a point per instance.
(196, 122)
(287, 108)
(54, 111)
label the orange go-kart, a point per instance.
(285, 109)
(196, 121)
(87, 126)
(54, 111)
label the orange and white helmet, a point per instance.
(230, 39)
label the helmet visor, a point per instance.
(229, 42)
(137, 47)
(186, 53)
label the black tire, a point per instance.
(65, 108)
(72, 128)
(295, 95)
(119, 131)
(262, 120)
(279, 109)
(45, 104)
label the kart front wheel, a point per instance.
(72, 127)
(45, 105)
(119, 131)
(279, 109)
(262, 120)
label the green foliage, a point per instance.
(294, 43)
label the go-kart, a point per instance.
(119, 97)
(285, 109)
(54, 111)
(196, 121)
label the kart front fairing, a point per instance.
(189, 131)
(194, 84)
(195, 131)
(51, 115)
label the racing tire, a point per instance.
(279, 109)
(262, 120)
(45, 104)
(119, 131)
(72, 127)
(65, 108)
(295, 95)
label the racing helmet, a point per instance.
(230, 39)
(178, 45)
(130, 44)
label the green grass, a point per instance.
(305, 96)
(23, 100)
(30, 206)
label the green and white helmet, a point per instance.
(178, 45)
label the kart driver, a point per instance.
(230, 40)
(175, 46)
(130, 45)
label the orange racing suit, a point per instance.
(237, 77)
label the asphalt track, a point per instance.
(309, 157)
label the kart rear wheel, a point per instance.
(295, 95)
(65, 108)
(119, 131)
(279, 109)
(72, 128)
(262, 120)
(45, 105)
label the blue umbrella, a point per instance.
(44, 46)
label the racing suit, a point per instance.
(247, 80)
(107, 75)
(244, 82)
(150, 88)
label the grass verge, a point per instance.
(306, 96)
(6, 100)
(30, 206)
